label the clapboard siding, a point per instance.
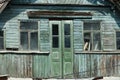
(78, 34)
(11, 24)
(60, 1)
(100, 64)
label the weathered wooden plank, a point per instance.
(78, 28)
(97, 64)
(44, 35)
(40, 66)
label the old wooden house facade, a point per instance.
(59, 39)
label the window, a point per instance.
(67, 35)
(1, 40)
(55, 36)
(92, 40)
(118, 40)
(29, 35)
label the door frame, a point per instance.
(61, 43)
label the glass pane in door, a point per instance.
(67, 35)
(55, 36)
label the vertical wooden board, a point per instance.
(108, 65)
(89, 65)
(40, 66)
(118, 61)
(117, 64)
(98, 65)
(92, 66)
(81, 65)
(85, 63)
(76, 66)
(3, 68)
(35, 66)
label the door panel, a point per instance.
(56, 60)
(67, 49)
(61, 48)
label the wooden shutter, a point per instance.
(78, 34)
(12, 35)
(44, 35)
(107, 36)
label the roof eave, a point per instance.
(3, 6)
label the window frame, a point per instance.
(29, 34)
(91, 35)
(116, 39)
(3, 39)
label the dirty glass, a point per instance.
(24, 40)
(91, 26)
(96, 41)
(28, 25)
(118, 40)
(67, 41)
(67, 35)
(55, 29)
(1, 40)
(29, 35)
(34, 41)
(55, 42)
(92, 40)
(55, 36)
(67, 29)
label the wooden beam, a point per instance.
(66, 5)
(57, 14)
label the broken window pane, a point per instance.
(87, 41)
(24, 40)
(92, 40)
(96, 41)
(34, 41)
(118, 40)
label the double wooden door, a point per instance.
(61, 49)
